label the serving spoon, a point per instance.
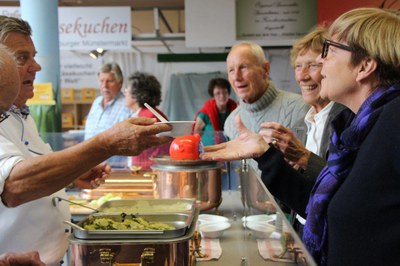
(58, 199)
(157, 114)
(74, 225)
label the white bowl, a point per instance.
(210, 218)
(179, 128)
(260, 230)
(213, 230)
(259, 218)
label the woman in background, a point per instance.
(211, 117)
(145, 88)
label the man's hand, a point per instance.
(247, 145)
(21, 259)
(94, 177)
(132, 136)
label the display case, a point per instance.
(259, 232)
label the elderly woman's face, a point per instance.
(339, 76)
(221, 95)
(129, 101)
(307, 72)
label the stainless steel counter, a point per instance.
(239, 247)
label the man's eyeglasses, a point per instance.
(325, 47)
(3, 116)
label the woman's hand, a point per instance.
(284, 139)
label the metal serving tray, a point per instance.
(148, 206)
(181, 222)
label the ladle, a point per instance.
(57, 199)
(157, 114)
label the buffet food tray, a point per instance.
(176, 251)
(148, 206)
(180, 221)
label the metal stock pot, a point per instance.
(194, 179)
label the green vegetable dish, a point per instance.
(134, 223)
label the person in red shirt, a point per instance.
(145, 88)
(210, 119)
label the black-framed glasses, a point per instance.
(325, 47)
(3, 116)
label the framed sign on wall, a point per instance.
(267, 22)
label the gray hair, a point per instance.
(8, 86)
(144, 88)
(255, 49)
(11, 24)
(114, 69)
(5, 50)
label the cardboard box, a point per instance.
(67, 119)
(84, 121)
(88, 94)
(67, 94)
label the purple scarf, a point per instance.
(349, 131)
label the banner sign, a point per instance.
(78, 70)
(89, 28)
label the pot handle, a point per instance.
(146, 259)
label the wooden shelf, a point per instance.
(76, 102)
(79, 110)
(75, 106)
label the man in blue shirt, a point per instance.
(109, 108)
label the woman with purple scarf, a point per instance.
(353, 206)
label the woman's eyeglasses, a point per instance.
(325, 47)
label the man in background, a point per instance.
(109, 108)
(260, 100)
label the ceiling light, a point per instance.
(97, 53)
(94, 54)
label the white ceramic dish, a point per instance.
(210, 218)
(179, 128)
(259, 218)
(260, 230)
(213, 230)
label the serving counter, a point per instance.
(240, 245)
